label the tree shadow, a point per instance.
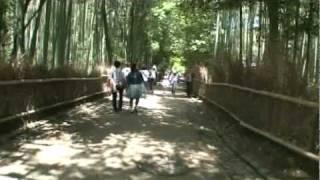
(91, 142)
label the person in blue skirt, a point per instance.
(135, 87)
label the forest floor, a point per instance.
(169, 138)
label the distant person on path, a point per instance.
(118, 85)
(135, 87)
(145, 75)
(154, 67)
(151, 79)
(126, 70)
(189, 79)
(173, 79)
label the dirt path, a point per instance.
(165, 139)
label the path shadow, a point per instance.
(91, 142)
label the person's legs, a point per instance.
(120, 99)
(189, 89)
(114, 100)
(173, 88)
(151, 85)
(131, 102)
(136, 104)
(146, 85)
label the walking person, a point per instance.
(118, 85)
(151, 79)
(126, 70)
(135, 87)
(189, 78)
(145, 75)
(154, 67)
(173, 79)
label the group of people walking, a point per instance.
(133, 81)
(174, 78)
(137, 82)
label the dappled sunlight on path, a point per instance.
(91, 142)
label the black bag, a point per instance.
(119, 86)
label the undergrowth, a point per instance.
(12, 72)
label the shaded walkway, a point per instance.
(91, 142)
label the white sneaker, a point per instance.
(132, 109)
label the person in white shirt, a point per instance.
(154, 67)
(145, 75)
(173, 79)
(118, 84)
(126, 70)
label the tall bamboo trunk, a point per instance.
(131, 35)
(251, 26)
(296, 34)
(33, 42)
(46, 33)
(260, 33)
(108, 44)
(309, 42)
(216, 42)
(240, 34)
(274, 48)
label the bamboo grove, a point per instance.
(264, 44)
(272, 45)
(70, 35)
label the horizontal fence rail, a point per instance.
(288, 121)
(270, 94)
(30, 112)
(49, 80)
(20, 98)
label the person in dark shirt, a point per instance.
(135, 87)
(189, 79)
